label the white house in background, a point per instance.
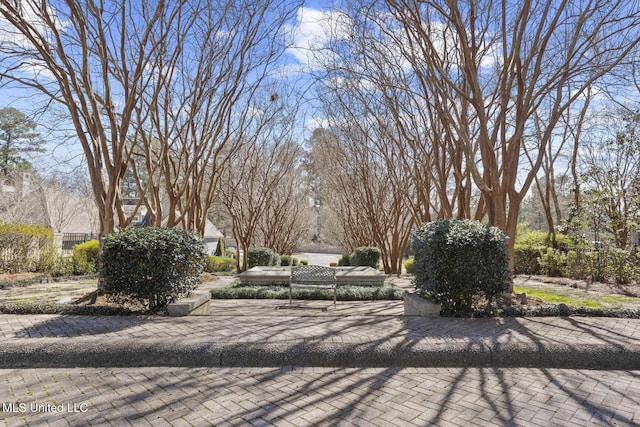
(74, 216)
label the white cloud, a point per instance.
(313, 32)
(12, 40)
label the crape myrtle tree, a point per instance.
(513, 59)
(262, 188)
(487, 66)
(252, 190)
(209, 86)
(365, 193)
(167, 81)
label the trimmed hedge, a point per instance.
(344, 261)
(344, 293)
(457, 261)
(152, 266)
(288, 261)
(367, 256)
(263, 257)
(217, 264)
(66, 309)
(526, 259)
(25, 247)
(409, 266)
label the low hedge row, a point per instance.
(344, 293)
(67, 309)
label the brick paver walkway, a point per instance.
(319, 396)
(315, 395)
(353, 329)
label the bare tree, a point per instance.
(249, 188)
(91, 59)
(159, 80)
(194, 123)
(365, 192)
(531, 57)
(261, 181)
(611, 173)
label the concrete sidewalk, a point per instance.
(309, 337)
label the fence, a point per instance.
(69, 240)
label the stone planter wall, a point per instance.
(415, 305)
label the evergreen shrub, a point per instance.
(526, 259)
(220, 248)
(367, 256)
(263, 257)
(86, 257)
(25, 247)
(152, 266)
(218, 264)
(459, 260)
(409, 266)
(344, 261)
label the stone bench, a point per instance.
(313, 277)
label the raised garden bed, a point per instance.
(356, 276)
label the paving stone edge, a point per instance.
(150, 353)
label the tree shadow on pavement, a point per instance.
(75, 326)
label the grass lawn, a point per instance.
(577, 298)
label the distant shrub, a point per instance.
(304, 262)
(61, 266)
(620, 268)
(576, 268)
(25, 247)
(409, 266)
(367, 256)
(457, 261)
(220, 248)
(152, 266)
(262, 257)
(553, 262)
(87, 253)
(289, 261)
(217, 264)
(344, 261)
(526, 259)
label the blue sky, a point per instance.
(308, 33)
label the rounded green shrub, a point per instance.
(409, 266)
(553, 262)
(367, 256)
(87, 254)
(152, 266)
(526, 259)
(263, 257)
(344, 261)
(217, 264)
(459, 260)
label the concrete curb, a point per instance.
(150, 353)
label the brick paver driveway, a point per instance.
(319, 396)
